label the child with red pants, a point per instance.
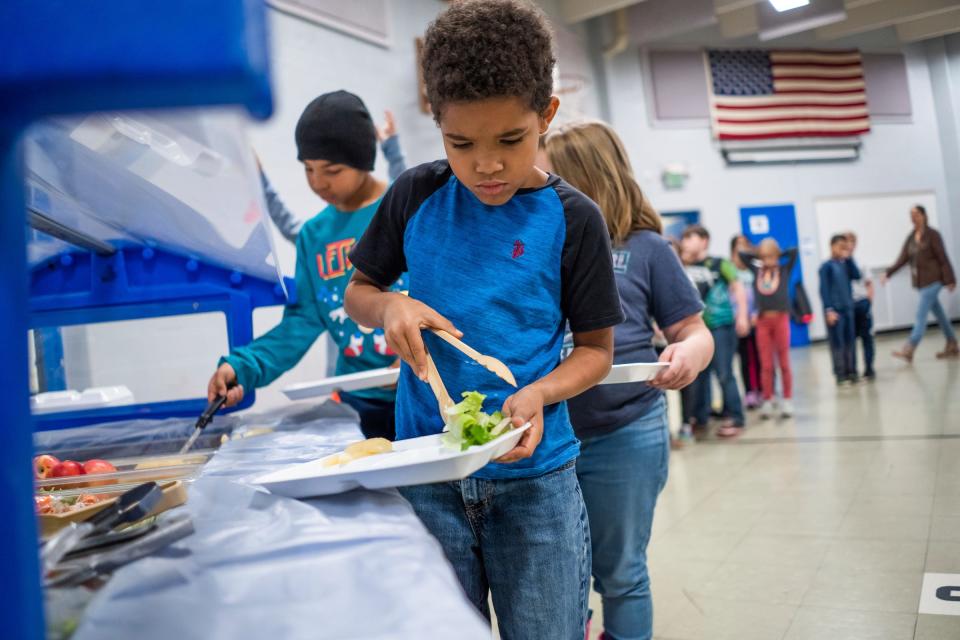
(772, 269)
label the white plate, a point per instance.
(620, 373)
(634, 372)
(415, 461)
(349, 382)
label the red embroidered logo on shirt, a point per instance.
(518, 248)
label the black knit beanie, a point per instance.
(337, 127)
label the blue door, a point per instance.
(780, 223)
(674, 222)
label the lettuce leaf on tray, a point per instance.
(468, 425)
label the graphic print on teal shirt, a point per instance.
(712, 277)
(323, 271)
(508, 276)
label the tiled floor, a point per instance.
(819, 527)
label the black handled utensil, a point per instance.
(205, 418)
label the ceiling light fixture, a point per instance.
(787, 5)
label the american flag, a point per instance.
(757, 94)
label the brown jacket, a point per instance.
(928, 260)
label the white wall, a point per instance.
(895, 157)
(943, 56)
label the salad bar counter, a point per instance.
(358, 564)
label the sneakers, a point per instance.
(752, 400)
(905, 352)
(729, 429)
(952, 350)
(684, 437)
(786, 408)
(870, 376)
(766, 409)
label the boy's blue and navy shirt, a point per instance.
(508, 276)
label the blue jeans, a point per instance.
(842, 337)
(621, 475)
(377, 417)
(863, 328)
(725, 345)
(525, 541)
(929, 302)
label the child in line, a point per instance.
(337, 144)
(625, 440)
(836, 275)
(863, 315)
(288, 224)
(725, 314)
(747, 345)
(509, 254)
(772, 269)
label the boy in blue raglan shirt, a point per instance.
(337, 143)
(509, 254)
(836, 292)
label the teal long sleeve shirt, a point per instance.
(322, 273)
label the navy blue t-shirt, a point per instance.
(836, 284)
(653, 287)
(508, 276)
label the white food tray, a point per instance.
(350, 382)
(620, 373)
(634, 372)
(415, 461)
(72, 400)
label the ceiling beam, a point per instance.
(573, 11)
(657, 20)
(728, 6)
(739, 23)
(930, 27)
(885, 13)
(853, 4)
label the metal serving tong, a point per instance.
(77, 572)
(205, 418)
(133, 505)
(489, 362)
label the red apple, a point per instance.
(98, 466)
(94, 467)
(67, 468)
(43, 465)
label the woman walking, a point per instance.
(931, 271)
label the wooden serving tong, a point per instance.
(444, 401)
(489, 362)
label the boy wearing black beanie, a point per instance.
(337, 144)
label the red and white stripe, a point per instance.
(816, 94)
